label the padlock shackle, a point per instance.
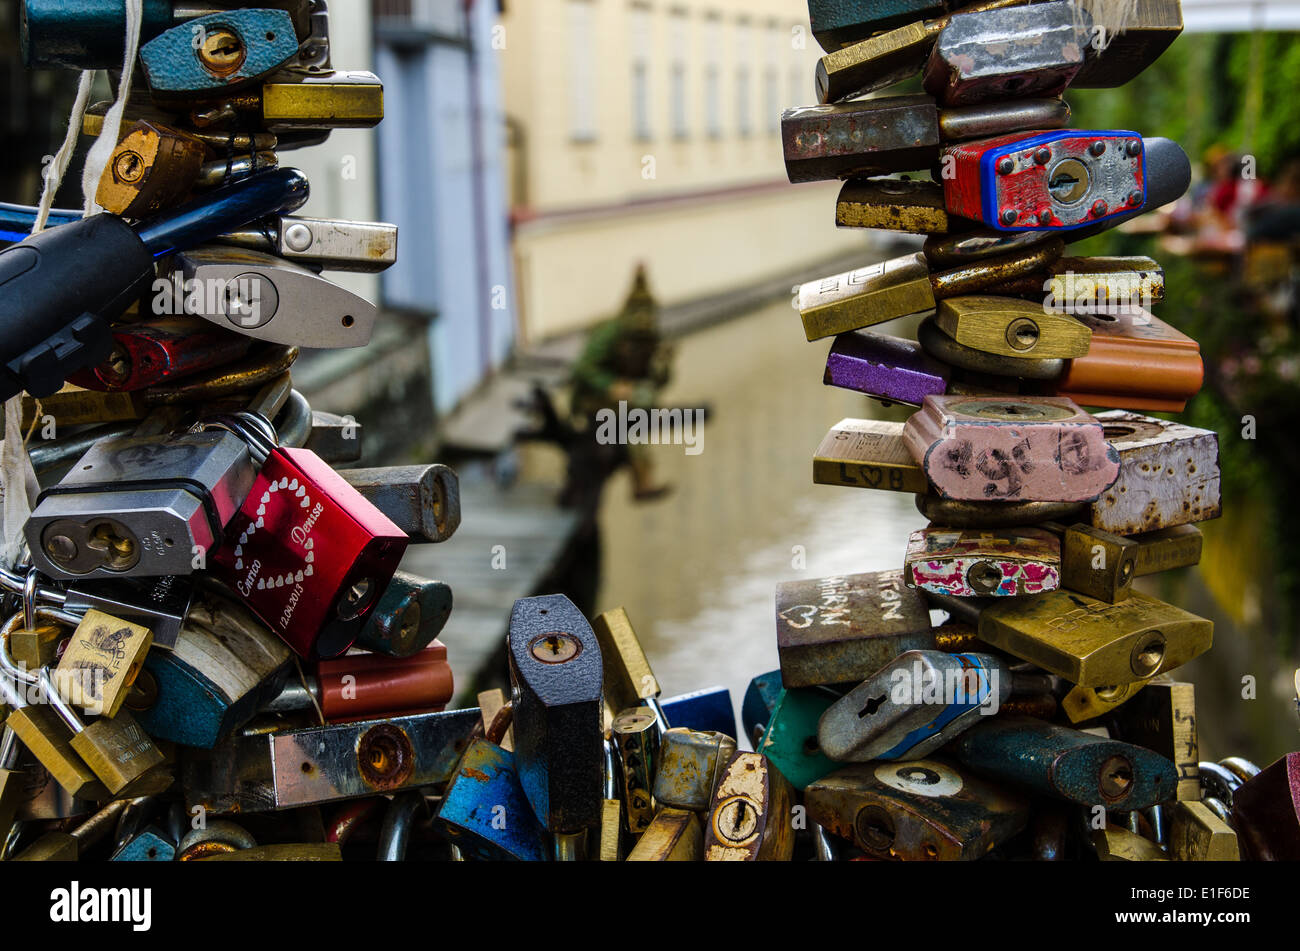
(61, 707)
(7, 662)
(253, 428)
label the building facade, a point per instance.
(649, 131)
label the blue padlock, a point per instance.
(708, 710)
(219, 52)
(484, 811)
(151, 845)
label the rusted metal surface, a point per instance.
(750, 819)
(983, 563)
(892, 204)
(691, 762)
(921, 810)
(844, 628)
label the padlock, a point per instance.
(268, 298)
(708, 709)
(913, 705)
(41, 731)
(11, 780)
(1166, 549)
(760, 700)
(890, 57)
(361, 686)
(673, 836)
(1196, 834)
(493, 703)
(751, 816)
(957, 513)
(218, 53)
(67, 846)
(1083, 704)
(902, 286)
(62, 286)
(838, 23)
(216, 837)
(844, 628)
(870, 454)
(1086, 641)
(331, 244)
(152, 352)
(945, 349)
(408, 616)
(1266, 812)
(1056, 761)
(920, 810)
(1034, 449)
(1115, 844)
(259, 771)
(1009, 327)
(1003, 54)
(1093, 287)
(484, 811)
(154, 167)
(1168, 475)
(1163, 718)
(894, 204)
(424, 500)
(689, 768)
(897, 133)
(140, 506)
(1136, 361)
(635, 733)
(150, 844)
(789, 740)
(335, 438)
(104, 656)
(116, 749)
(34, 634)
(307, 553)
(555, 665)
(892, 369)
(628, 680)
(1046, 180)
(294, 101)
(983, 563)
(610, 843)
(1096, 563)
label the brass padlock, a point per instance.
(1163, 718)
(674, 836)
(1093, 287)
(1115, 844)
(34, 634)
(116, 749)
(751, 819)
(1081, 704)
(102, 661)
(905, 285)
(892, 204)
(1196, 834)
(1096, 563)
(1010, 327)
(297, 100)
(49, 740)
(635, 734)
(629, 680)
(990, 365)
(12, 792)
(869, 454)
(153, 167)
(1086, 641)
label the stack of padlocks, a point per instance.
(1040, 720)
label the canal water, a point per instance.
(697, 570)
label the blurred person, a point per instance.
(1276, 216)
(625, 360)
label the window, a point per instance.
(678, 36)
(713, 76)
(744, 76)
(582, 72)
(640, 59)
(772, 104)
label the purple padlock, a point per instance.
(888, 368)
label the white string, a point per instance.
(16, 471)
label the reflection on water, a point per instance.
(697, 570)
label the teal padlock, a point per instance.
(790, 741)
(218, 53)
